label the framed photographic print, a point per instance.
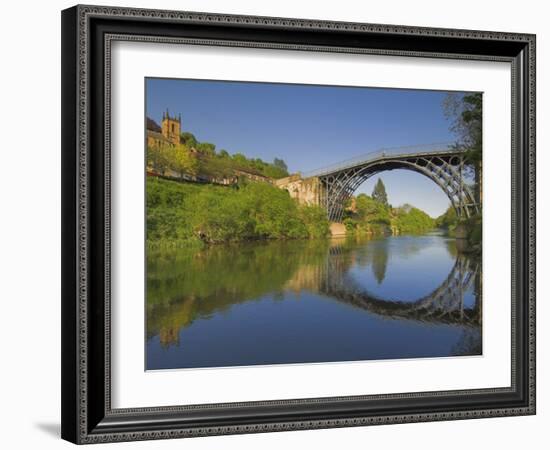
(280, 224)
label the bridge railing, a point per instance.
(425, 149)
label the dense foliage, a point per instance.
(468, 228)
(447, 220)
(367, 215)
(465, 111)
(176, 159)
(184, 213)
(409, 219)
(224, 164)
(196, 158)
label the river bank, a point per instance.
(181, 214)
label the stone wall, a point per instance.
(252, 176)
(307, 191)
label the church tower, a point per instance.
(171, 127)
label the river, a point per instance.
(283, 302)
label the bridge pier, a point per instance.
(337, 229)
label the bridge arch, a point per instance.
(446, 170)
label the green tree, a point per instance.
(158, 158)
(372, 216)
(189, 139)
(315, 220)
(412, 220)
(379, 193)
(239, 158)
(371, 210)
(280, 164)
(183, 162)
(368, 216)
(447, 220)
(465, 113)
(269, 170)
(206, 148)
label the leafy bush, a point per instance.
(447, 220)
(372, 211)
(184, 213)
(315, 220)
(413, 220)
(368, 215)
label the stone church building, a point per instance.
(167, 134)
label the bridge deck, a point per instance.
(384, 153)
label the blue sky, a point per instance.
(311, 126)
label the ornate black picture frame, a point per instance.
(87, 34)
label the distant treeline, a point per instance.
(373, 215)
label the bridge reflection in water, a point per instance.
(444, 305)
(266, 303)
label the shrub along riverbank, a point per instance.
(186, 214)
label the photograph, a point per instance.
(301, 223)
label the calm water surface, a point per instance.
(312, 301)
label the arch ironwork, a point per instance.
(446, 168)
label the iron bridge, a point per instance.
(441, 163)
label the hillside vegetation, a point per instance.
(203, 160)
(181, 214)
